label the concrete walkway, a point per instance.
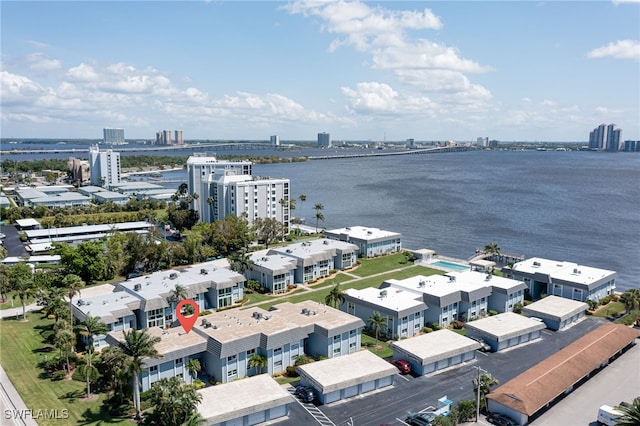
(17, 310)
(14, 410)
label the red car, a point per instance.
(402, 365)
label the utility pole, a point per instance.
(478, 391)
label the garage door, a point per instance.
(277, 412)
(234, 422)
(367, 387)
(457, 359)
(256, 418)
(524, 338)
(468, 356)
(350, 391)
(332, 397)
(443, 363)
(385, 381)
(513, 341)
(429, 368)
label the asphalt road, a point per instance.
(411, 394)
(12, 242)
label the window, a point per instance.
(232, 373)
(336, 351)
(153, 369)
(352, 333)
(277, 351)
(352, 347)
(155, 318)
(250, 353)
(179, 362)
(231, 358)
(417, 315)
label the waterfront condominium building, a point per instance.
(249, 196)
(275, 140)
(605, 138)
(104, 166)
(324, 140)
(178, 137)
(113, 136)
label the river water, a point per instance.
(574, 206)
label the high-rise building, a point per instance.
(324, 140)
(163, 137)
(113, 136)
(605, 138)
(275, 140)
(228, 187)
(248, 196)
(631, 146)
(104, 167)
(178, 137)
(482, 141)
(79, 170)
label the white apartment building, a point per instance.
(104, 166)
(228, 187)
(250, 196)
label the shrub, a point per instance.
(203, 313)
(605, 300)
(198, 384)
(292, 371)
(492, 312)
(427, 329)
(59, 375)
(458, 325)
(435, 326)
(517, 308)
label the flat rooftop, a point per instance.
(108, 307)
(240, 398)
(88, 229)
(436, 345)
(344, 371)
(391, 298)
(227, 326)
(435, 285)
(173, 341)
(481, 279)
(365, 233)
(314, 248)
(554, 306)
(506, 325)
(566, 271)
(274, 262)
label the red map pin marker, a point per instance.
(187, 322)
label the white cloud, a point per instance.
(421, 67)
(18, 89)
(40, 62)
(621, 49)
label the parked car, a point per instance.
(500, 420)
(305, 393)
(420, 419)
(402, 365)
(133, 275)
(484, 346)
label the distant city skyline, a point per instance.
(523, 71)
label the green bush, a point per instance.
(492, 313)
(427, 329)
(292, 371)
(59, 375)
(605, 300)
(435, 326)
(198, 384)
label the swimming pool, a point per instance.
(450, 265)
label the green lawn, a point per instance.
(609, 310)
(382, 349)
(380, 264)
(16, 301)
(20, 354)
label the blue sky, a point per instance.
(510, 70)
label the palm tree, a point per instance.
(89, 370)
(65, 339)
(5, 281)
(173, 402)
(89, 328)
(486, 381)
(114, 367)
(492, 248)
(630, 414)
(179, 293)
(258, 361)
(136, 346)
(23, 284)
(335, 297)
(631, 299)
(319, 216)
(377, 321)
(73, 284)
(240, 262)
(193, 367)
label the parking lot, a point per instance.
(412, 394)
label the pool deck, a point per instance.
(433, 264)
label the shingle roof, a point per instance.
(542, 383)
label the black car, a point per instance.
(420, 419)
(305, 393)
(500, 420)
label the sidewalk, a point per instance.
(14, 410)
(17, 310)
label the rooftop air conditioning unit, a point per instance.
(288, 251)
(305, 311)
(80, 302)
(488, 277)
(137, 287)
(173, 275)
(452, 278)
(326, 242)
(383, 293)
(536, 263)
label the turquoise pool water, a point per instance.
(451, 265)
